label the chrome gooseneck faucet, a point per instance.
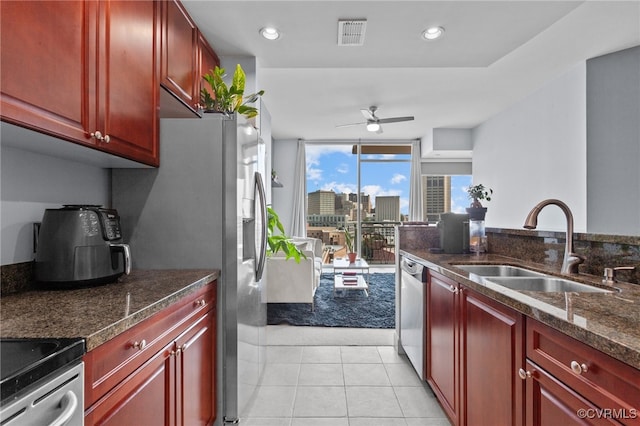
(571, 259)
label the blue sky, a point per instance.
(333, 167)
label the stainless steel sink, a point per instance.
(499, 271)
(545, 284)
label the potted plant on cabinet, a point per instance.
(228, 99)
(348, 241)
(476, 193)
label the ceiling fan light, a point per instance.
(270, 33)
(432, 33)
(373, 127)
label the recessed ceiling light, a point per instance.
(432, 33)
(373, 127)
(270, 33)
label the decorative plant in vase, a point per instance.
(228, 99)
(348, 241)
(280, 241)
(476, 193)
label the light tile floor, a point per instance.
(339, 377)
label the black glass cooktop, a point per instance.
(25, 361)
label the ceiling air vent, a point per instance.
(351, 32)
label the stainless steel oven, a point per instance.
(413, 278)
(42, 382)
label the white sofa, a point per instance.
(291, 282)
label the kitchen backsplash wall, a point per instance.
(600, 250)
(33, 182)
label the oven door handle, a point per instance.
(69, 403)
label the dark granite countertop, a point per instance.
(97, 314)
(609, 322)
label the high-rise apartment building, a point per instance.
(436, 196)
(388, 208)
(321, 202)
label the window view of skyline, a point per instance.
(334, 168)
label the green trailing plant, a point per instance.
(280, 242)
(477, 193)
(228, 99)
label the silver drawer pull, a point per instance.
(139, 345)
(200, 303)
(524, 374)
(578, 368)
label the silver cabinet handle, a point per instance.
(578, 368)
(453, 289)
(106, 139)
(200, 303)
(69, 403)
(524, 375)
(139, 345)
(97, 135)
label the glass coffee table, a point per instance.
(350, 276)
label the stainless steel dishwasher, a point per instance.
(413, 278)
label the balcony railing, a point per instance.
(377, 243)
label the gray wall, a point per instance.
(535, 150)
(34, 182)
(613, 143)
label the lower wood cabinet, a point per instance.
(474, 348)
(490, 365)
(160, 372)
(569, 382)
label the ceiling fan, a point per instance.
(373, 122)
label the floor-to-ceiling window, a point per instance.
(361, 187)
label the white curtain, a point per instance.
(299, 214)
(415, 190)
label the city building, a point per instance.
(321, 202)
(436, 196)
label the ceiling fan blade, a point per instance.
(394, 119)
(368, 114)
(351, 124)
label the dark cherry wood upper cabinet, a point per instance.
(207, 60)
(45, 60)
(179, 53)
(84, 71)
(128, 79)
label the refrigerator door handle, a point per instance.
(262, 253)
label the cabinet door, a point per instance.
(550, 402)
(195, 373)
(207, 60)
(179, 47)
(443, 343)
(492, 351)
(43, 86)
(144, 398)
(128, 76)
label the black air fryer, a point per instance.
(80, 245)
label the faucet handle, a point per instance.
(609, 276)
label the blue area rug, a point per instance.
(354, 309)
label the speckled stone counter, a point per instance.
(98, 313)
(609, 322)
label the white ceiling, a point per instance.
(493, 54)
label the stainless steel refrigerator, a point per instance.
(204, 207)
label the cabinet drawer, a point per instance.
(607, 382)
(113, 361)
